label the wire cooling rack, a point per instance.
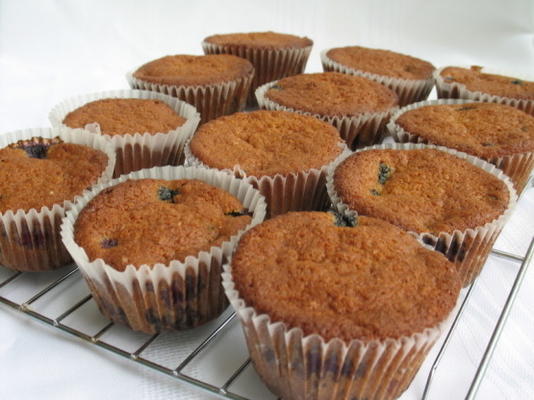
(61, 299)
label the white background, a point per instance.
(50, 50)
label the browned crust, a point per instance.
(371, 281)
(188, 70)
(485, 130)
(260, 40)
(266, 143)
(382, 62)
(427, 191)
(499, 85)
(122, 116)
(151, 221)
(67, 171)
(332, 94)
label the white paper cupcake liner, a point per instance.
(408, 90)
(211, 101)
(295, 366)
(29, 240)
(269, 64)
(301, 191)
(517, 166)
(357, 131)
(456, 90)
(468, 249)
(177, 295)
(137, 150)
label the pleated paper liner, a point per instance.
(30, 240)
(137, 150)
(357, 131)
(269, 64)
(408, 90)
(467, 249)
(456, 90)
(298, 191)
(295, 366)
(517, 166)
(211, 101)
(177, 295)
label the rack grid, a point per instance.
(40, 287)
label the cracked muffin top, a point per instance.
(476, 80)
(382, 62)
(149, 221)
(260, 40)
(266, 143)
(189, 70)
(332, 94)
(421, 190)
(41, 172)
(121, 116)
(485, 130)
(365, 280)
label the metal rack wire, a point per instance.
(99, 333)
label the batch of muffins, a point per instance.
(349, 281)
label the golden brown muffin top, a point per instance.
(194, 70)
(332, 94)
(370, 281)
(485, 130)
(122, 116)
(42, 172)
(475, 80)
(382, 62)
(260, 40)
(423, 190)
(266, 143)
(150, 221)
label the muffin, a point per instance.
(273, 55)
(473, 84)
(215, 84)
(151, 244)
(410, 77)
(359, 108)
(454, 202)
(42, 173)
(146, 128)
(338, 306)
(282, 154)
(499, 134)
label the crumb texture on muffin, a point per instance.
(332, 94)
(370, 281)
(483, 129)
(382, 62)
(476, 80)
(151, 221)
(260, 40)
(121, 116)
(266, 143)
(422, 190)
(42, 172)
(191, 70)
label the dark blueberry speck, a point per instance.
(487, 144)
(238, 213)
(166, 194)
(375, 192)
(517, 82)
(109, 243)
(36, 150)
(343, 220)
(384, 173)
(466, 108)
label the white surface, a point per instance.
(51, 50)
